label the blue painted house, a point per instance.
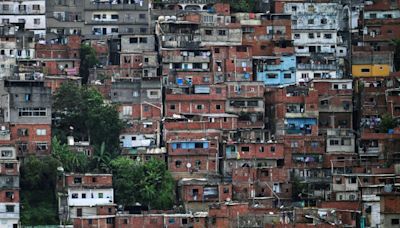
(276, 70)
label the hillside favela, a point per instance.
(199, 113)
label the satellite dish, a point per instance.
(188, 165)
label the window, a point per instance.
(218, 90)
(311, 35)
(310, 21)
(199, 107)
(142, 16)
(36, 21)
(333, 142)
(146, 108)
(36, 7)
(178, 164)
(41, 132)
(6, 7)
(208, 19)
(10, 195)
(100, 195)
(208, 32)
(10, 208)
(328, 36)
(221, 32)
(216, 50)
(245, 149)
(324, 21)
(314, 144)
(261, 149)
(287, 76)
(272, 149)
(77, 180)
(83, 195)
(297, 36)
(294, 8)
(22, 7)
(153, 93)
(133, 40)
(41, 146)
(143, 30)
(143, 40)
(365, 70)
(6, 153)
(110, 220)
(241, 49)
(198, 164)
(172, 107)
(218, 107)
(395, 221)
(9, 166)
(294, 144)
(32, 112)
(252, 103)
(372, 15)
(74, 196)
(127, 110)
(90, 221)
(114, 16)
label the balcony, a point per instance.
(200, 125)
(307, 114)
(250, 124)
(5, 135)
(368, 151)
(26, 11)
(96, 5)
(345, 187)
(186, 59)
(197, 151)
(181, 44)
(298, 131)
(117, 22)
(303, 66)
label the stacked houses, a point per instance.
(287, 115)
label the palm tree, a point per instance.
(102, 159)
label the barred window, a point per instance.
(33, 112)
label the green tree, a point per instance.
(71, 161)
(102, 159)
(126, 176)
(243, 5)
(38, 199)
(396, 44)
(387, 122)
(84, 110)
(148, 183)
(88, 61)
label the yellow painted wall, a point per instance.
(374, 70)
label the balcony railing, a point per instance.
(187, 59)
(302, 66)
(107, 6)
